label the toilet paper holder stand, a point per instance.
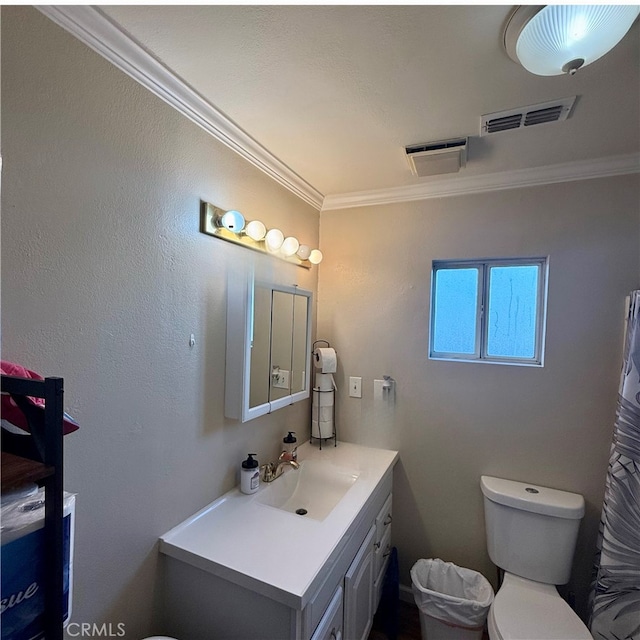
(334, 434)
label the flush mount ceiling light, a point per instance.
(555, 39)
(230, 226)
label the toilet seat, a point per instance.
(528, 610)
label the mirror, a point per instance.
(268, 348)
(281, 344)
(259, 381)
(301, 350)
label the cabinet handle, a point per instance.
(387, 552)
(388, 519)
(336, 634)
(377, 545)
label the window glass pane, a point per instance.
(455, 302)
(512, 313)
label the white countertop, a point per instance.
(268, 550)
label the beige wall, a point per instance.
(454, 421)
(104, 278)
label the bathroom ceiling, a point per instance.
(337, 92)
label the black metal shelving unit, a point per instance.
(38, 458)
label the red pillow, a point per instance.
(12, 414)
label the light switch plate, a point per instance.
(355, 387)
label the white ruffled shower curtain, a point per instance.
(615, 596)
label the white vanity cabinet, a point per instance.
(291, 577)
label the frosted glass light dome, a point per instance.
(560, 39)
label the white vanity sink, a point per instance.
(311, 491)
(249, 566)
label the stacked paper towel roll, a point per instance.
(323, 393)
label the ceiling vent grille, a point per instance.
(435, 158)
(522, 117)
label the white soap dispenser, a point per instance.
(250, 475)
(290, 446)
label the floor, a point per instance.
(408, 625)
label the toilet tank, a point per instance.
(531, 530)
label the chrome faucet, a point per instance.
(273, 470)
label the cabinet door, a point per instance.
(330, 626)
(358, 592)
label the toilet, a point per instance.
(531, 535)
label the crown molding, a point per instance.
(444, 188)
(95, 29)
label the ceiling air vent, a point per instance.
(526, 116)
(434, 158)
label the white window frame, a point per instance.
(482, 326)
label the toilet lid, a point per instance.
(524, 610)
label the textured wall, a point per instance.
(454, 421)
(104, 278)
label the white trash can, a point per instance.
(453, 601)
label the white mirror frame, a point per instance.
(240, 296)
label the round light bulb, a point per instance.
(304, 251)
(315, 257)
(233, 221)
(274, 239)
(289, 246)
(256, 230)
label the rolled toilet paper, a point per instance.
(323, 398)
(322, 428)
(324, 382)
(326, 360)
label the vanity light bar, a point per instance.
(231, 226)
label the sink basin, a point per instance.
(311, 491)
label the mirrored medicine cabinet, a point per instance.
(268, 347)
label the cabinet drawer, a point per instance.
(381, 554)
(383, 519)
(330, 626)
(380, 563)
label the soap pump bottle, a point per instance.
(250, 475)
(290, 446)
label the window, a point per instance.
(489, 310)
